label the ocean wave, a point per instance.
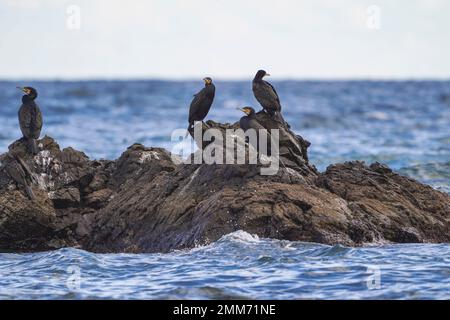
(240, 236)
(238, 266)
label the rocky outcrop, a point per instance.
(150, 201)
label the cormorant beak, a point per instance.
(26, 91)
(244, 110)
(267, 74)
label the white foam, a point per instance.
(241, 236)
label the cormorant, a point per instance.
(267, 96)
(202, 102)
(30, 119)
(249, 121)
(19, 171)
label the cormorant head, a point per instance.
(29, 91)
(248, 110)
(207, 80)
(261, 74)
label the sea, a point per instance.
(405, 124)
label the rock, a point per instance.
(65, 197)
(47, 221)
(29, 225)
(201, 204)
(98, 199)
(20, 173)
(150, 201)
(138, 160)
(389, 206)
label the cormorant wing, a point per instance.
(25, 117)
(198, 97)
(273, 92)
(39, 121)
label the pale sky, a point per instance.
(227, 39)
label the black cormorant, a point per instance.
(267, 96)
(30, 119)
(202, 102)
(249, 121)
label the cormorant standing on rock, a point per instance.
(267, 96)
(202, 102)
(30, 119)
(19, 171)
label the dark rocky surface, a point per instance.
(148, 201)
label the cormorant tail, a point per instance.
(32, 146)
(29, 192)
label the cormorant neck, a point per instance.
(27, 99)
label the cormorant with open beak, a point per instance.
(30, 119)
(267, 96)
(202, 102)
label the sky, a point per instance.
(228, 39)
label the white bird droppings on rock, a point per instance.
(148, 155)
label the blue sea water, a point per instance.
(405, 124)
(237, 266)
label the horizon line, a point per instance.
(223, 79)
